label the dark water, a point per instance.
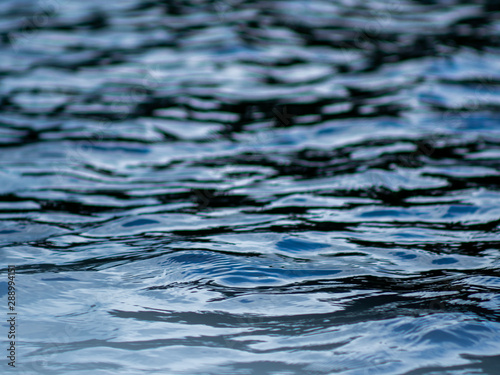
(251, 187)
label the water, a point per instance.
(251, 187)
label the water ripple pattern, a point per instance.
(252, 186)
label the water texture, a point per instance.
(251, 187)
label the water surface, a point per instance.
(252, 187)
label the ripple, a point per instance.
(252, 187)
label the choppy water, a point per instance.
(252, 187)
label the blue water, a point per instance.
(251, 187)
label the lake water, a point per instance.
(251, 187)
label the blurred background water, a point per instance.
(251, 187)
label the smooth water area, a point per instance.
(251, 187)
